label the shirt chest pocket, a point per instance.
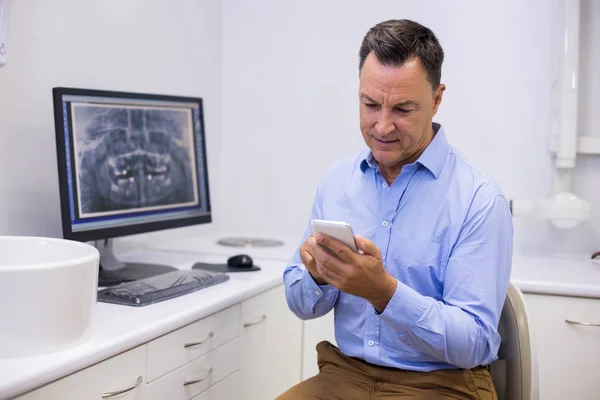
(418, 263)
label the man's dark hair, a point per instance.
(396, 41)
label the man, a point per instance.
(417, 310)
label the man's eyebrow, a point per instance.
(368, 99)
(407, 103)
(402, 104)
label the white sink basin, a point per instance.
(47, 294)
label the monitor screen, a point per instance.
(129, 163)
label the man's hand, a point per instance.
(361, 275)
(309, 262)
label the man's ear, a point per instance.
(437, 97)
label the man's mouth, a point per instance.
(382, 141)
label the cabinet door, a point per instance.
(272, 346)
(228, 389)
(568, 353)
(315, 331)
(122, 377)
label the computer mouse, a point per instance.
(240, 261)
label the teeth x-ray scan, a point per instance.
(133, 158)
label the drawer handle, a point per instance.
(262, 319)
(568, 321)
(118, 392)
(194, 344)
(187, 383)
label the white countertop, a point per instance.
(119, 328)
(566, 276)
(207, 244)
(116, 328)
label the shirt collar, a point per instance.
(368, 161)
(433, 158)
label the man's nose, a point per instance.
(385, 125)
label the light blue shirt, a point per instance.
(445, 233)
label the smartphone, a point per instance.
(341, 231)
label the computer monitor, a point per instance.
(129, 163)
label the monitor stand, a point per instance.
(113, 272)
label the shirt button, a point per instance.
(317, 293)
(384, 223)
(385, 184)
(370, 343)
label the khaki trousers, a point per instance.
(346, 378)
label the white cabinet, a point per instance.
(271, 346)
(315, 331)
(121, 377)
(568, 353)
(194, 377)
(251, 351)
(228, 389)
(174, 349)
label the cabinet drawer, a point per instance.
(174, 349)
(117, 374)
(198, 375)
(567, 352)
(228, 389)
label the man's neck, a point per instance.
(391, 173)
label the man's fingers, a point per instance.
(324, 259)
(368, 247)
(306, 257)
(328, 275)
(338, 248)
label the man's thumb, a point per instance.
(367, 247)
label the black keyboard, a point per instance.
(160, 287)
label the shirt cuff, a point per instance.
(405, 308)
(315, 293)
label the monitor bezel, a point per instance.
(107, 233)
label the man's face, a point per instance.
(397, 105)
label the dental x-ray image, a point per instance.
(132, 158)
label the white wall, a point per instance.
(280, 81)
(290, 101)
(587, 173)
(161, 46)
